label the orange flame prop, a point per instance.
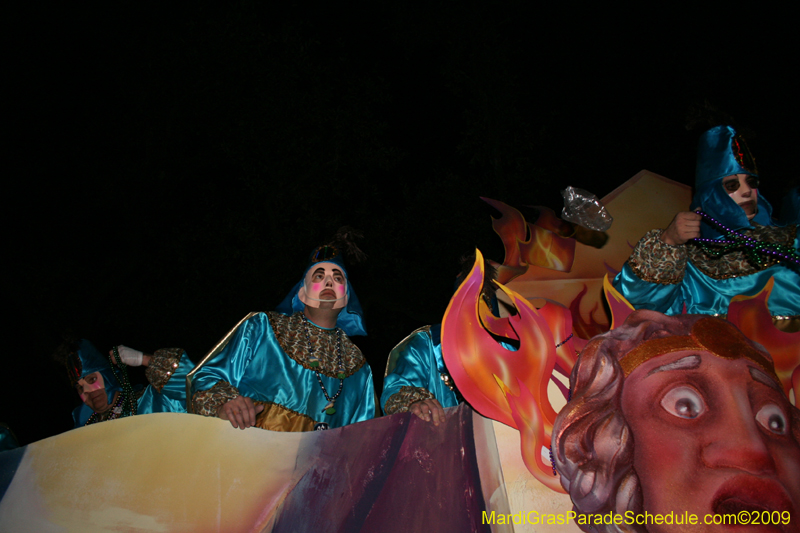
(751, 315)
(503, 384)
(583, 329)
(538, 244)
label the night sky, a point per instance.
(173, 166)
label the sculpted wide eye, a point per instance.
(683, 402)
(772, 418)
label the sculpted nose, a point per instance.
(742, 447)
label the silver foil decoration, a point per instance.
(585, 209)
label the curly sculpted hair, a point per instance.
(592, 443)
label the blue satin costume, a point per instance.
(171, 399)
(719, 155)
(255, 364)
(417, 362)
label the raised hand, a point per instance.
(684, 227)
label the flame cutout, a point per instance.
(620, 307)
(511, 229)
(583, 329)
(559, 320)
(548, 250)
(525, 244)
(506, 385)
(498, 327)
(534, 435)
(751, 315)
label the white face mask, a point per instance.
(87, 386)
(325, 285)
(743, 189)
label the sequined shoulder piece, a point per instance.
(290, 332)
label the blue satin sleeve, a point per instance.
(704, 295)
(231, 363)
(153, 401)
(364, 409)
(172, 398)
(701, 294)
(420, 364)
(254, 363)
(644, 294)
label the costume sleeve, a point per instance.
(652, 276)
(400, 401)
(207, 402)
(365, 410)
(167, 371)
(167, 376)
(409, 380)
(218, 380)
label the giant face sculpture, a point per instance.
(678, 414)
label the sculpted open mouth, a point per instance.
(765, 502)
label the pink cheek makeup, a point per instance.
(87, 388)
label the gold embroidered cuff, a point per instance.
(208, 402)
(655, 261)
(162, 366)
(400, 401)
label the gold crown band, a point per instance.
(709, 335)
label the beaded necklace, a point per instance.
(126, 404)
(758, 252)
(329, 409)
(115, 412)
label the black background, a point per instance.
(171, 166)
